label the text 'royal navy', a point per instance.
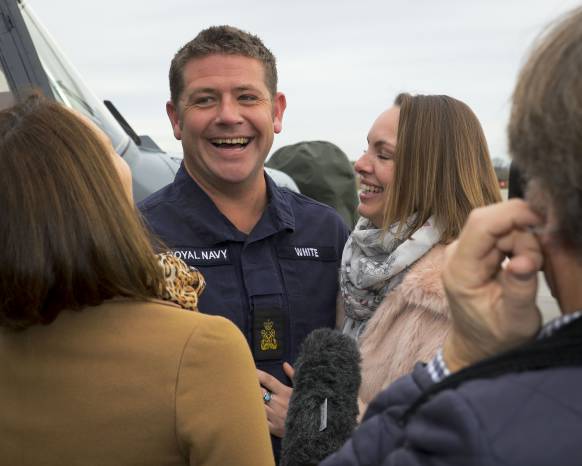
(201, 255)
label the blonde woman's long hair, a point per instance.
(442, 166)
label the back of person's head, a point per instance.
(545, 135)
(323, 172)
(442, 165)
(70, 236)
(225, 40)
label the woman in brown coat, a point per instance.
(94, 369)
(425, 168)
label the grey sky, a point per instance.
(340, 62)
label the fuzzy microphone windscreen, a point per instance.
(323, 408)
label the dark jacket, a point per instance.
(277, 284)
(531, 418)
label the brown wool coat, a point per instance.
(131, 383)
(409, 326)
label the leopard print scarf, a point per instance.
(184, 284)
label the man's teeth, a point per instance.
(366, 188)
(231, 141)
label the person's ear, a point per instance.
(174, 116)
(279, 106)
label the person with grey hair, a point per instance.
(270, 256)
(505, 390)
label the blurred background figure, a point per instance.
(323, 172)
(426, 167)
(94, 369)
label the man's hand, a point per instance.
(278, 405)
(492, 298)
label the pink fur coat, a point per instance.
(409, 326)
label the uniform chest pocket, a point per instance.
(222, 293)
(307, 268)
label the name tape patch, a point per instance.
(321, 253)
(203, 256)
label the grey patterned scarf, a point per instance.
(375, 261)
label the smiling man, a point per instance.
(225, 216)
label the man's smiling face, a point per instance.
(226, 119)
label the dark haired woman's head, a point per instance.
(427, 156)
(70, 234)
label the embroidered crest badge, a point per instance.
(268, 341)
(268, 336)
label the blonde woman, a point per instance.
(425, 168)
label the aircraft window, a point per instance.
(6, 98)
(4, 87)
(67, 86)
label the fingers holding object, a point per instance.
(524, 251)
(289, 370)
(486, 225)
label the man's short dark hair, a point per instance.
(545, 136)
(226, 40)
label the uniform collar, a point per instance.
(279, 206)
(215, 228)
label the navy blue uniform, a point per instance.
(277, 283)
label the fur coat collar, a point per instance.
(409, 326)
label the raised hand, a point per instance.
(490, 278)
